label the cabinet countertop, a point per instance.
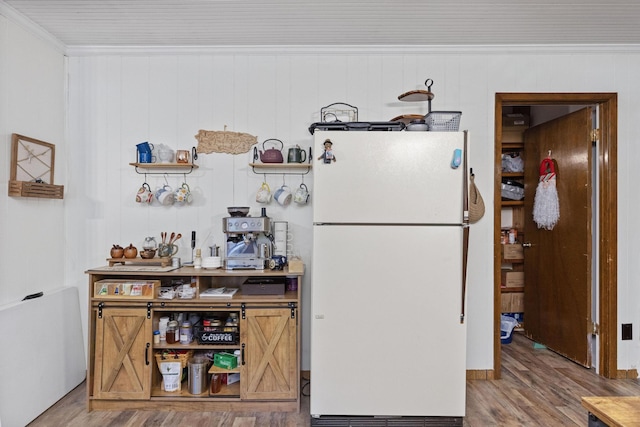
(187, 271)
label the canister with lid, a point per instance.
(173, 333)
(186, 332)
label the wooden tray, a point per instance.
(163, 262)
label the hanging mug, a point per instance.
(264, 193)
(165, 195)
(283, 195)
(301, 196)
(183, 194)
(145, 195)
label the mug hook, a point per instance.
(166, 180)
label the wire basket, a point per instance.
(443, 121)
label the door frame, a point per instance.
(607, 164)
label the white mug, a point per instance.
(301, 196)
(165, 195)
(264, 193)
(144, 194)
(283, 195)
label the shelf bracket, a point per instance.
(145, 171)
(261, 171)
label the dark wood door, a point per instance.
(557, 300)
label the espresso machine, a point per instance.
(249, 241)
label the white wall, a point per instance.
(118, 100)
(32, 103)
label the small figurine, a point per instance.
(327, 155)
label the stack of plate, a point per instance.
(212, 262)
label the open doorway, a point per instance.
(605, 161)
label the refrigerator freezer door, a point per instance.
(389, 177)
(386, 337)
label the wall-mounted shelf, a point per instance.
(164, 168)
(281, 168)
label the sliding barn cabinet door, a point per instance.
(123, 354)
(269, 367)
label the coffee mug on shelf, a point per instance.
(144, 195)
(183, 194)
(283, 195)
(182, 156)
(264, 193)
(165, 195)
(301, 195)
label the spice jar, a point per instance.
(172, 332)
(185, 332)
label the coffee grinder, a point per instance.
(249, 242)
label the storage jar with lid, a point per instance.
(173, 333)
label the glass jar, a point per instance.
(185, 332)
(149, 243)
(172, 332)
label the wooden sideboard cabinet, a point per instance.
(125, 310)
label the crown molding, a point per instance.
(349, 50)
(16, 17)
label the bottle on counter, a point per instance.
(197, 261)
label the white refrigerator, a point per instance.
(388, 337)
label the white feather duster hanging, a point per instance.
(546, 206)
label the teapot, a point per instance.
(296, 155)
(272, 155)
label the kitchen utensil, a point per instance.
(163, 235)
(173, 236)
(144, 150)
(182, 156)
(301, 195)
(419, 95)
(130, 251)
(417, 125)
(149, 243)
(165, 195)
(178, 236)
(272, 155)
(148, 253)
(238, 211)
(264, 193)
(283, 195)
(296, 155)
(117, 251)
(144, 195)
(166, 250)
(183, 194)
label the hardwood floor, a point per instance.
(538, 388)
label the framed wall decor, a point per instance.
(32, 168)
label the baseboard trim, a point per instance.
(480, 374)
(629, 374)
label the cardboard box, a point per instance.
(513, 133)
(225, 360)
(512, 279)
(296, 266)
(515, 251)
(515, 119)
(512, 302)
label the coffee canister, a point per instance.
(197, 375)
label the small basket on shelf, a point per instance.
(443, 121)
(181, 356)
